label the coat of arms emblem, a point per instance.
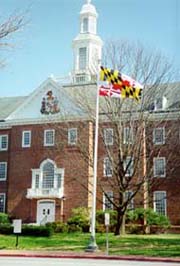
(50, 104)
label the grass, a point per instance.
(151, 245)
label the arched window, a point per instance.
(48, 175)
(47, 181)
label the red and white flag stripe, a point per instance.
(109, 91)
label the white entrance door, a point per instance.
(45, 212)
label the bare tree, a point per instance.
(126, 150)
(8, 28)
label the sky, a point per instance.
(44, 46)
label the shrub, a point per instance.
(74, 228)
(35, 230)
(80, 219)
(6, 229)
(100, 217)
(100, 221)
(58, 227)
(136, 215)
(152, 217)
(27, 230)
(4, 218)
(134, 229)
(100, 228)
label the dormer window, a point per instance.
(160, 103)
(85, 25)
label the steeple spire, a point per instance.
(87, 45)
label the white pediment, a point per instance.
(47, 100)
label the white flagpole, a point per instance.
(92, 245)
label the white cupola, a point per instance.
(87, 46)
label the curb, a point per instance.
(92, 256)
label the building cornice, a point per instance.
(49, 120)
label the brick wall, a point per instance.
(22, 160)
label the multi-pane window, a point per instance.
(160, 167)
(3, 142)
(49, 136)
(3, 171)
(80, 78)
(72, 136)
(48, 175)
(85, 25)
(107, 200)
(160, 202)
(107, 167)
(159, 135)
(129, 166)
(108, 136)
(128, 195)
(26, 139)
(127, 135)
(37, 181)
(82, 58)
(2, 202)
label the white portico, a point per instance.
(87, 46)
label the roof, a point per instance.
(171, 92)
(79, 99)
(9, 104)
(88, 8)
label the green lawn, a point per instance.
(153, 245)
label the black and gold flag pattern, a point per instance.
(128, 87)
(110, 75)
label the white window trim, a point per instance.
(104, 200)
(4, 194)
(85, 25)
(131, 203)
(154, 201)
(4, 179)
(163, 103)
(45, 140)
(105, 136)
(82, 58)
(69, 136)
(154, 168)
(3, 149)
(131, 165)
(130, 135)
(39, 171)
(104, 167)
(154, 136)
(23, 139)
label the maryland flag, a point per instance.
(108, 90)
(125, 86)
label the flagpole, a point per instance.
(146, 190)
(92, 245)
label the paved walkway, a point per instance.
(80, 255)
